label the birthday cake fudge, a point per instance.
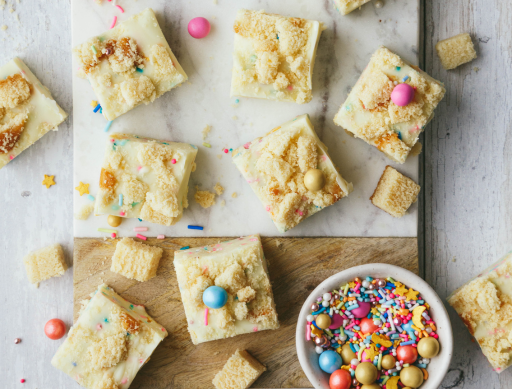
(27, 110)
(239, 372)
(109, 343)
(274, 56)
(485, 306)
(129, 65)
(390, 104)
(291, 173)
(347, 6)
(145, 178)
(225, 289)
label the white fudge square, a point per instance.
(347, 6)
(145, 178)
(109, 343)
(130, 64)
(274, 56)
(238, 266)
(27, 110)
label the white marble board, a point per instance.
(180, 115)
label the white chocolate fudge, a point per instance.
(275, 167)
(274, 56)
(347, 6)
(27, 110)
(238, 266)
(485, 306)
(109, 343)
(145, 178)
(136, 260)
(455, 51)
(239, 372)
(45, 263)
(130, 64)
(371, 115)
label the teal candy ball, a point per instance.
(215, 297)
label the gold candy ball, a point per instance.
(114, 221)
(314, 180)
(347, 354)
(323, 321)
(428, 347)
(366, 373)
(372, 386)
(411, 376)
(388, 362)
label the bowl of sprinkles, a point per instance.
(374, 326)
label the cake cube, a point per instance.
(130, 64)
(45, 263)
(395, 192)
(276, 165)
(239, 372)
(347, 6)
(136, 260)
(455, 51)
(27, 110)
(239, 267)
(109, 343)
(371, 115)
(485, 306)
(274, 56)
(145, 178)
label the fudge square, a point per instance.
(485, 306)
(145, 178)
(239, 267)
(276, 167)
(136, 260)
(369, 113)
(239, 372)
(274, 56)
(45, 263)
(109, 343)
(130, 64)
(347, 6)
(456, 51)
(27, 110)
(395, 192)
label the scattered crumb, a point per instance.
(215, 2)
(223, 203)
(454, 259)
(219, 156)
(2, 5)
(194, 166)
(218, 189)
(3, 28)
(234, 195)
(476, 69)
(206, 131)
(204, 198)
(85, 212)
(279, 243)
(235, 118)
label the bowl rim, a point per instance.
(434, 301)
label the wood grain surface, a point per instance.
(296, 267)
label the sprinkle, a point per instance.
(207, 145)
(11, 157)
(139, 70)
(140, 229)
(120, 8)
(114, 21)
(185, 248)
(195, 227)
(120, 199)
(22, 380)
(97, 108)
(113, 235)
(225, 151)
(206, 317)
(17, 341)
(94, 103)
(405, 78)
(109, 230)
(93, 48)
(398, 68)
(90, 197)
(48, 181)
(122, 213)
(107, 127)
(173, 161)
(141, 237)
(160, 237)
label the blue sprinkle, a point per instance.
(185, 248)
(120, 199)
(106, 320)
(97, 108)
(237, 101)
(139, 219)
(319, 311)
(195, 227)
(277, 36)
(421, 365)
(139, 70)
(91, 197)
(405, 78)
(73, 363)
(399, 135)
(107, 127)
(101, 110)
(352, 347)
(398, 68)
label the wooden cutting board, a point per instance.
(296, 266)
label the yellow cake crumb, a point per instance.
(108, 351)
(239, 372)
(456, 51)
(45, 263)
(85, 212)
(234, 195)
(206, 131)
(136, 90)
(136, 260)
(204, 198)
(218, 189)
(246, 294)
(14, 90)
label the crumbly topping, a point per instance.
(89, 53)
(162, 63)
(137, 90)
(232, 279)
(105, 80)
(14, 90)
(204, 198)
(218, 189)
(106, 383)
(241, 311)
(266, 67)
(107, 352)
(125, 56)
(11, 132)
(281, 81)
(246, 294)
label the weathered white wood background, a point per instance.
(467, 172)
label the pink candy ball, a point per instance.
(199, 28)
(402, 94)
(336, 322)
(362, 310)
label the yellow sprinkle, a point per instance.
(94, 103)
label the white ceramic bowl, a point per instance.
(438, 366)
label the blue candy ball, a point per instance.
(215, 297)
(329, 361)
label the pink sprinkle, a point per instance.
(113, 235)
(22, 380)
(139, 167)
(99, 327)
(160, 237)
(290, 87)
(350, 326)
(324, 157)
(173, 161)
(11, 157)
(141, 361)
(124, 380)
(246, 146)
(255, 329)
(163, 329)
(140, 229)
(308, 331)
(113, 22)
(141, 237)
(225, 151)
(122, 213)
(267, 208)
(206, 317)
(120, 8)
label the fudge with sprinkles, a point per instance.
(145, 178)
(236, 269)
(129, 65)
(274, 56)
(485, 306)
(390, 105)
(109, 343)
(27, 110)
(291, 173)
